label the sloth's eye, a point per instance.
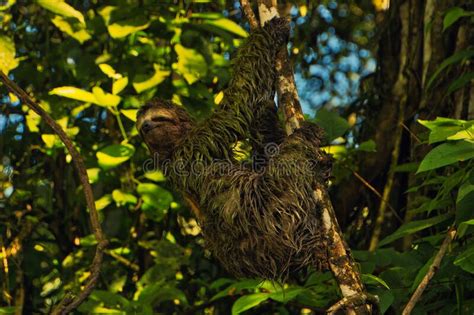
(162, 119)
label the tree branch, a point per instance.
(431, 272)
(247, 8)
(69, 302)
(340, 259)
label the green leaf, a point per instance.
(62, 8)
(207, 15)
(465, 199)
(109, 298)
(457, 57)
(119, 85)
(285, 295)
(154, 197)
(446, 154)
(236, 288)
(248, 301)
(88, 240)
(124, 28)
(465, 260)
(7, 55)
(407, 167)
(114, 155)
(367, 146)
(142, 83)
(122, 198)
(333, 124)
(74, 93)
(227, 25)
(413, 227)
(371, 279)
(72, 27)
(421, 273)
(460, 82)
(8, 310)
(453, 15)
(191, 64)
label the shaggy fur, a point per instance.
(258, 221)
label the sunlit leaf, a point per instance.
(4, 5)
(61, 8)
(74, 93)
(93, 174)
(191, 64)
(119, 85)
(114, 155)
(126, 27)
(336, 151)
(219, 97)
(72, 27)
(142, 83)
(32, 121)
(156, 176)
(51, 140)
(7, 55)
(122, 198)
(413, 227)
(105, 99)
(109, 71)
(446, 154)
(227, 25)
(103, 202)
(130, 114)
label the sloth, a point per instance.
(259, 219)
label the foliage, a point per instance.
(92, 64)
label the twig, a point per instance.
(374, 241)
(411, 133)
(249, 14)
(69, 302)
(376, 192)
(431, 272)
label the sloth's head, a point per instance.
(162, 125)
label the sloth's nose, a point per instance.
(147, 126)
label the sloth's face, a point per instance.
(162, 125)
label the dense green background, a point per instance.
(91, 64)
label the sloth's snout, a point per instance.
(147, 126)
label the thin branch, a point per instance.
(411, 133)
(247, 8)
(376, 192)
(69, 302)
(431, 272)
